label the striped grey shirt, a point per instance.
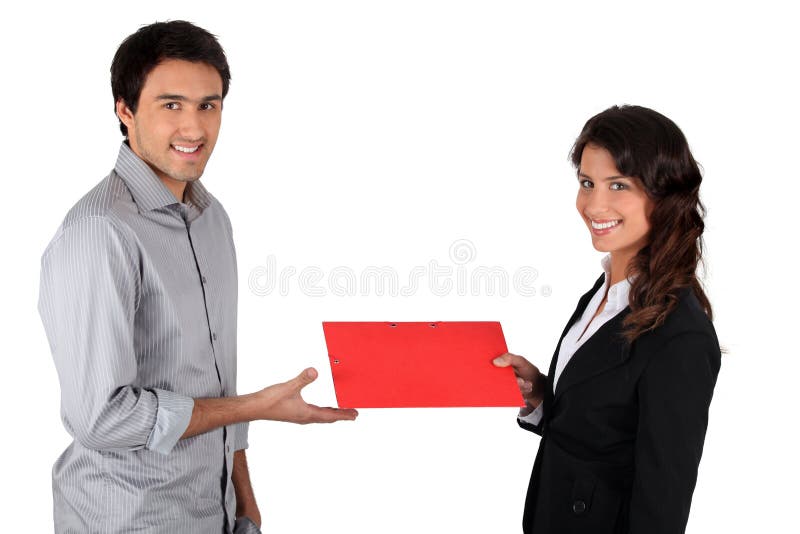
(138, 298)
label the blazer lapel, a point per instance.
(604, 350)
(579, 309)
(582, 303)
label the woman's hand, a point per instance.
(531, 382)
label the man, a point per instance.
(138, 298)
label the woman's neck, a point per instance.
(619, 266)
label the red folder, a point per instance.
(417, 365)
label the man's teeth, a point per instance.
(603, 226)
(186, 150)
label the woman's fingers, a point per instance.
(522, 367)
(524, 386)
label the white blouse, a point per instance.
(585, 327)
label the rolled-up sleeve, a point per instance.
(89, 290)
(240, 437)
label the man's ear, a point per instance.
(125, 114)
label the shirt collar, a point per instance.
(617, 298)
(149, 192)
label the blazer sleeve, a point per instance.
(533, 421)
(674, 394)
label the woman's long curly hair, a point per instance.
(647, 145)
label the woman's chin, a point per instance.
(599, 245)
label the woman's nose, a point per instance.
(597, 204)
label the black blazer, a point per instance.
(623, 434)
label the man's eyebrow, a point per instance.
(181, 98)
(606, 179)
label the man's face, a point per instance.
(177, 119)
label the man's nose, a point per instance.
(191, 125)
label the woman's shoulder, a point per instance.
(688, 320)
(683, 350)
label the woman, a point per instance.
(624, 409)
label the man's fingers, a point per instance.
(331, 415)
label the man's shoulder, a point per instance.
(216, 209)
(102, 201)
(99, 214)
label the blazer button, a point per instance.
(578, 507)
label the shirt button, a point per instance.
(214, 336)
(578, 507)
(227, 448)
(203, 279)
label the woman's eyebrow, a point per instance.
(606, 179)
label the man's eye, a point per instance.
(172, 105)
(205, 106)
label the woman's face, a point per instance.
(615, 208)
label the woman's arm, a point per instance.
(674, 396)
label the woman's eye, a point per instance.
(616, 186)
(586, 184)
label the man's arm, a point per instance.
(88, 296)
(279, 402)
(245, 499)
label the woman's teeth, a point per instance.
(603, 226)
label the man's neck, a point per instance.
(176, 188)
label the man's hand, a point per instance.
(283, 402)
(531, 382)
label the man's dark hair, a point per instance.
(142, 51)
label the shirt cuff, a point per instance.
(533, 418)
(172, 418)
(240, 431)
(244, 525)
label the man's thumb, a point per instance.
(305, 378)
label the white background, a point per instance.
(365, 134)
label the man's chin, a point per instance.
(186, 179)
(186, 176)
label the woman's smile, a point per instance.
(604, 227)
